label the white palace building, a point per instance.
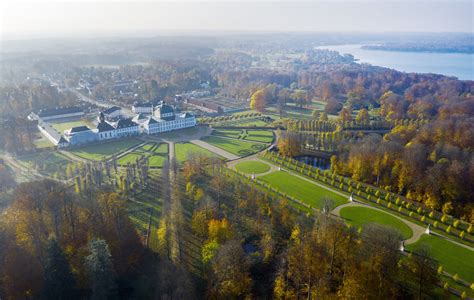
(162, 119)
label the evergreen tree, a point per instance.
(59, 282)
(100, 270)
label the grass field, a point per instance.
(47, 163)
(237, 147)
(42, 142)
(252, 167)
(360, 216)
(302, 190)
(105, 150)
(454, 259)
(182, 150)
(259, 136)
(230, 133)
(60, 127)
(156, 153)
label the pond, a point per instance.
(314, 161)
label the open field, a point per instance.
(61, 126)
(105, 150)
(252, 167)
(302, 189)
(47, 163)
(237, 147)
(42, 142)
(182, 150)
(230, 133)
(454, 258)
(156, 153)
(360, 216)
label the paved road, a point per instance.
(171, 151)
(215, 149)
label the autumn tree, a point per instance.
(257, 101)
(59, 282)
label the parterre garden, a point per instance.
(51, 163)
(156, 154)
(235, 146)
(263, 136)
(103, 151)
(183, 150)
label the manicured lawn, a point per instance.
(228, 133)
(60, 127)
(360, 216)
(237, 147)
(259, 136)
(156, 153)
(46, 162)
(106, 150)
(302, 190)
(252, 167)
(454, 259)
(182, 150)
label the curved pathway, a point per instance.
(273, 168)
(417, 230)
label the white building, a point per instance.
(142, 107)
(112, 113)
(165, 119)
(126, 127)
(105, 130)
(58, 113)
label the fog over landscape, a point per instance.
(237, 149)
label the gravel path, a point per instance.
(417, 230)
(215, 149)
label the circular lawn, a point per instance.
(252, 167)
(360, 216)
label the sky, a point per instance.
(20, 19)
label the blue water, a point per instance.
(459, 65)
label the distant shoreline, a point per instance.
(417, 49)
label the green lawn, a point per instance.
(252, 167)
(360, 216)
(182, 150)
(228, 133)
(60, 127)
(156, 153)
(106, 150)
(302, 190)
(47, 163)
(42, 142)
(237, 147)
(259, 136)
(454, 258)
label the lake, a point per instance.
(459, 65)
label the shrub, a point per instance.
(431, 215)
(443, 218)
(359, 193)
(423, 219)
(378, 201)
(419, 210)
(462, 234)
(398, 201)
(463, 295)
(377, 193)
(440, 270)
(448, 229)
(400, 209)
(389, 205)
(411, 214)
(446, 286)
(341, 186)
(456, 223)
(435, 224)
(469, 229)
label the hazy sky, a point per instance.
(45, 18)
